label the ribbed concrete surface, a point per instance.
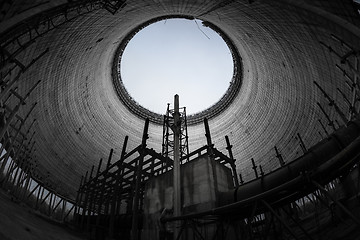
(79, 116)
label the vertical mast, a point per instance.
(177, 131)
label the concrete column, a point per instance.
(176, 169)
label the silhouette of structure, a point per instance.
(291, 112)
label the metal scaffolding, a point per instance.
(111, 201)
(168, 133)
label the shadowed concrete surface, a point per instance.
(18, 222)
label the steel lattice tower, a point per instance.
(168, 134)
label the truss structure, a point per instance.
(168, 134)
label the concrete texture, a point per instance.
(79, 116)
(198, 187)
(198, 191)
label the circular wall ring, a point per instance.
(196, 118)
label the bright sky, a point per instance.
(174, 57)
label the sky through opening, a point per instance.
(176, 56)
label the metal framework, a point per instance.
(111, 199)
(348, 58)
(19, 171)
(317, 214)
(315, 202)
(168, 134)
(276, 214)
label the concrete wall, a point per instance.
(198, 191)
(79, 116)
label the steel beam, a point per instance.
(138, 176)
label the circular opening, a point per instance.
(177, 55)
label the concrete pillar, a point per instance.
(176, 169)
